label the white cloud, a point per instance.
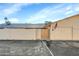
(68, 8)
(77, 9)
(72, 10)
(69, 12)
(53, 13)
(14, 20)
(1, 21)
(45, 14)
(13, 9)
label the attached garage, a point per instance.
(66, 29)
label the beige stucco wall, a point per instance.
(19, 34)
(61, 34)
(67, 29)
(38, 34)
(75, 34)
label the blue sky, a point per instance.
(37, 12)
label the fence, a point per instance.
(20, 34)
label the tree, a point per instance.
(7, 22)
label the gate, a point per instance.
(45, 34)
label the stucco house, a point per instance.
(65, 29)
